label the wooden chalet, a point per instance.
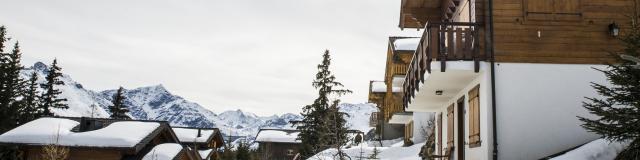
(206, 141)
(278, 144)
(91, 138)
(388, 94)
(506, 78)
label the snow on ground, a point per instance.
(58, 131)
(391, 152)
(600, 149)
(165, 151)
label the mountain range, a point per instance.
(157, 103)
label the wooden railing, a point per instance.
(399, 69)
(443, 41)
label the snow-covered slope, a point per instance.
(157, 103)
(359, 114)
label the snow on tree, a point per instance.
(618, 110)
(50, 95)
(323, 125)
(119, 110)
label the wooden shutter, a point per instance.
(439, 123)
(567, 10)
(474, 117)
(558, 10)
(539, 9)
(450, 123)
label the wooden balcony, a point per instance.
(375, 94)
(442, 42)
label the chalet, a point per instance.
(506, 78)
(387, 94)
(206, 141)
(90, 138)
(278, 144)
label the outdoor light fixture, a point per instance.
(438, 92)
(614, 29)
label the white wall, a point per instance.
(537, 105)
(482, 152)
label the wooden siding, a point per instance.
(571, 31)
(35, 153)
(278, 151)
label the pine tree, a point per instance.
(13, 86)
(618, 110)
(7, 94)
(49, 98)
(321, 117)
(119, 109)
(29, 103)
(243, 152)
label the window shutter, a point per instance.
(539, 9)
(450, 131)
(567, 10)
(439, 123)
(559, 10)
(474, 117)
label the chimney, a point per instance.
(199, 132)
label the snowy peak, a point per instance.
(40, 67)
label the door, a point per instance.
(460, 144)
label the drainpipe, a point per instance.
(493, 82)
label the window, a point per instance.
(559, 10)
(450, 126)
(290, 152)
(474, 117)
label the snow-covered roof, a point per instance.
(45, 131)
(378, 86)
(406, 44)
(284, 136)
(205, 153)
(165, 151)
(401, 118)
(186, 135)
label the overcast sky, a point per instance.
(255, 55)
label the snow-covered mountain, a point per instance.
(157, 103)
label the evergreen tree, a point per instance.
(119, 109)
(243, 152)
(7, 94)
(49, 98)
(618, 110)
(321, 119)
(29, 103)
(13, 86)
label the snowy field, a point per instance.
(390, 150)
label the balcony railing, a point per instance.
(443, 41)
